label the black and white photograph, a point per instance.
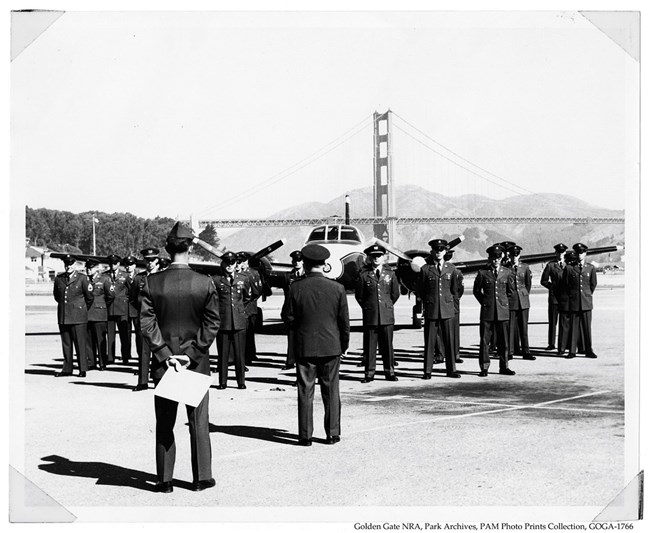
(334, 268)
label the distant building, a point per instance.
(39, 267)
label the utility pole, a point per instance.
(383, 186)
(94, 240)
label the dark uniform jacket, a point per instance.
(316, 310)
(74, 296)
(552, 280)
(103, 293)
(493, 293)
(377, 296)
(438, 291)
(233, 299)
(121, 286)
(179, 314)
(580, 284)
(460, 288)
(255, 289)
(133, 298)
(522, 280)
(135, 289)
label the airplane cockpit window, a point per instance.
(332, 233)
(349, 234)
(317, 234)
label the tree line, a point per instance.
(118, 233)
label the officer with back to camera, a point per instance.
(377, 290)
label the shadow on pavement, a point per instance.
(280, 436)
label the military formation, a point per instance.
(175, 314)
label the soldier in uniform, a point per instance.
(551, 279)
(437, 287)
(519, 303)
(74, 295)
(460, 287)
(317, 311)
(151, 256)
(129, 263)
(179, 317)
(118, 311)
(103, 291)
(255, 281)
(492, 288)
(559, 291)
(580, 283)
(234, 292)
(376, 291)
(297, 272)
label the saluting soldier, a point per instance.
(437, 287)
(580, 282)
(297, 272)
(118, 311)
(255, 281)
(74, 295)
(492, 288)
(552, 280)
(150, 256)
(103, 291)
(519, 303)
(376, 291)
(460, 290)
(234, 291)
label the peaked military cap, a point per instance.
(315, 253)
(507, 244)
(229, 258)
(375, 249)
(495, 249)
(438, 243)
(515, 250)
(296, 255)
(129, 260)
(148, 253)
(561, 247)
(163, 262)
(68, 259)
(91, 263)
(243, 256)
(580, 248)
(113, 259)
(570, 256)
(180, 231)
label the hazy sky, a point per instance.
(242, 114)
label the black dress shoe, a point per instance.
(591, 355)
(550, 347)
(391, 378)
(333, 439)
(221, 387)
(426, 375)
(570, 356)
(367, 380)
(82, 374)
(204, 484)
(507, 372)
(165, 486)
(62, 374)
(304, 442)
(459, 361)
(140, 387)
(241, 386)
(482, 374)
(453, 375)
(529, 357)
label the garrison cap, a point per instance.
(515, 250)
(180, 231)
(315, 253)
(495, 249)
(561, 247)
(150, 253)
(113, 259)
(296, 255)
(91, 263)
(375, 249)
(129, 260)
(229, 258)
(243, 256)
(580, 248)
(438, 244)
(68, 259)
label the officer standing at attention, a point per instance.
(519, 303)
(297, 272)
(492, 288)
(437, 287)
(74, 295)
(580, 283)
(151, 257)
(316, 309)
(234, 292)
(460, 287)
(376, 291)
(118, 311)
(551, 279)
(103, 291)
(179, 317)
(255, 281)
(133, 313)
(570, 258)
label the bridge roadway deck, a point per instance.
(548, 442)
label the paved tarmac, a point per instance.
(550, 437)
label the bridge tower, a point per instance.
(383, 186)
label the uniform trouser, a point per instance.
(326, 369)
(74, 334)
(144, 355)
(250, 348)
(486, 329)
(231, 344)
(456, 335)
(564, 330)
(553, 316)
(442, 327)
(382, 336)
(123, 326)
(291, 358)
(199, 424)
(581, 323)
(519, 332)
(139, 339)
(96, 344)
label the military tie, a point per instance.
(439, 268)
(377, 273)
